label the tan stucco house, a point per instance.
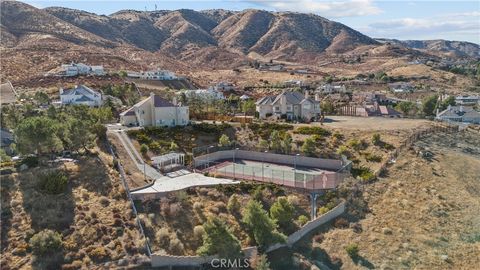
(290, 104)
(155, 111)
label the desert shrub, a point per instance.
(364, 173)
(182, 196)
(260, 225)
(318, 238)
(340, 223)
(46, 242)
(98, 253)
(176, 246)
(261, 263)
(233, 205)
(163, 237)
(309, 130)
(354, 144)
(337, 135)
(376, 139)
(257, 193)
(53, 182)
(218, 239)
(343, 150)
(294, 200)
(302, 220)
(104, 201)
(352, 250)
(264, 130)
(322, 210)
(224, 140)
(175, 209)
(198, 231)
(282, 211)
(143, 149)
(197, 207)
(373, 158)
(220, 206)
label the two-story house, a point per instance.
(289, 104)
(81, 94)
(155, 111)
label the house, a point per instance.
(293, 83)
(292, 105)
(401, 87)
(330, 89)
(224, 86)
(467, 100)
(80, 94)
(155, 111)
(158, 75)
(7, 93)
(74, 69)
(459, 114)
(210, 93)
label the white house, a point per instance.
(75, 69)
(459, 114)
(330, 89)
(467, 100)
(210, 93)
(401, 87)
(155, 111)
(291, 105)
(158, 75)
(80, 94)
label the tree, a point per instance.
(262, 263)
(248, 107)
(429, 104)
(46, 242)
(405, 107)
(260, 225)
(282, 211)
(224, 140)
(233, 205)
(286, 143)
(263, 144)
(308, 147)
(41, 97)
(218, 240)
(79, 135)
(449, 101)
(143, 149)
(327, 107)
(276, 141)
(38, 135)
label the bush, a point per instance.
(143, 149)
(30, 161)
(98, 253)
(302, 220)
(198, 232)
(352, 250)
(376, 140)
(163, 238)
(46, 242)
(364, 173)
(233, 205)
(218, 240)
(343, 150)
(312, 131)
(373, 158)
(53, 182)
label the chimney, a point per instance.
(61, 91)
(317, 96)
(174, 101)
(306, 94)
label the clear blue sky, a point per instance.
(453, 20)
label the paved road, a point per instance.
(137, 159)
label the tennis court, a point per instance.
(299, 177)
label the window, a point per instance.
(277, 108)
(307, 106)
(289, 108)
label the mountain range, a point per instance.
(184, 34)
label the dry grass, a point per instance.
(92, 216)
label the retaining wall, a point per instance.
(301, 161)
(310, 226)
(170, 260)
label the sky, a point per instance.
(421, 19)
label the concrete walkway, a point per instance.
(176, 181)
(135, 156)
